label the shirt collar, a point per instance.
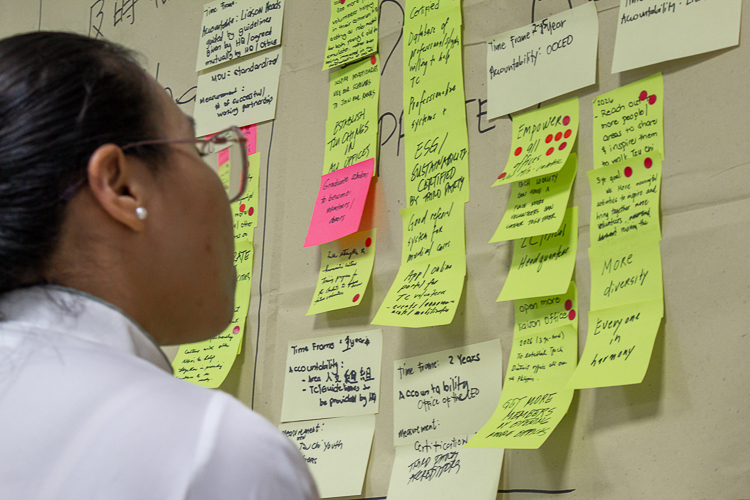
(72, 312)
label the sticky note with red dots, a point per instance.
(543, 265)
(352, 31)
(542, 141)
(245, 210)
(345, 270)
(629, 122)
(433, 229)
(618, 345)
(625, 199)
(537, 205)
(542, 313)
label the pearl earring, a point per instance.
(141, 213)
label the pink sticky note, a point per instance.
(251, 132)
(341, 199)
(223, 156)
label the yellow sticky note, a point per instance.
(537, 205)
(243, 262)
(345, 270)
(542, 141)
(618, 345)
(433, 229)
(629, 122)
(623, 273)
(419, 10)
(354, 87)
(432, 47)
(245, 210)
(625, 199)
(542, 313)
(335, 376)
(424, 293)
(336, 451)
(652, 31)
(435, 103)
(445, 393)
(444, 468)
(352, 32)
(437, 164)
(543, 265)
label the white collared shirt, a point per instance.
(89, 409)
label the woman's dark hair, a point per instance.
(62, 96)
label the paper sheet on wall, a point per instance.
(542, 313)
(444, 468)
(352, 32)
(424, 293)
(336, 376)
(543, 265)
(625, 199)
(336, 451)
(345, 270)
(537, 205)
(546, 59)
(245, 210)
(534, 399)
(231, 30)
(242, 92)
(446, 393)
(340, 202)
(625, 273)
(629, 122)
(652, 31)
(433, 229)
(618, 345)
(542, 141)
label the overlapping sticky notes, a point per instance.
(542, 313)
(231, 30)
(534, 399)
(652, 31)
(445, 393)
(340, 202)
(435, 228)
(623, 274)
(336, 376)
(618, 345)
(345, 270)
(444, 468)
(625, 199)
(531, 64)
(543, 265)
(352, 32)
(542, 141)
(352, 125)
(425, 292)
(243, 92)
(537, 205)
(437, 163)
(629, 122)
(245, 210)
(432, 48)
(336, 451)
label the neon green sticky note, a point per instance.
(432, 47)
(419, 10)
(437, 164)
(352, 32)
(542, 141)
(625, 199)
(243, 261)
(424, 293)
(543, 265)
(629, 122)
(354, 87)
(435, 103)
(245, 210)
(542, 313)
(625, 273)
(537, 205)
(432, 229)
(345, 270)
(618, 345)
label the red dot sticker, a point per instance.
(502, 175)
(558, 136)
(519, 150)
(236, 330)
(368, 242)
(373, 59)
(250, 211)
(648, 163)
(566, 121)
(342, 2)
(563, 146)
(568, 133)
(643, 96)
(628, 171)
(356, 297)
(568, 305)
(242, 208)
(548, 139)
(652, 99)
(572, 315)
(550, 151)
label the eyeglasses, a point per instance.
(224, 152)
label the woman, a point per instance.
(115, 236)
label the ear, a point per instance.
(119, 183)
